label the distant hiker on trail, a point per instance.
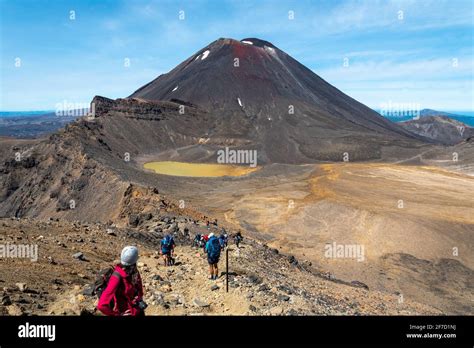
(167, 249)
(197, 241)
(204, 239)
(122, 290)
(213, 249)
(202, 242)
(223, 240)
(238, 239)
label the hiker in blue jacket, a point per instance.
(223, 241)
(167, 249)
(213, 250)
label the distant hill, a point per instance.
(468, 119)
(28, 125)
(442, 129)
(431, 112)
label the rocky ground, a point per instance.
(92, 172)
(261, 280)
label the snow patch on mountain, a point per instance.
(269, 49)
(205, 54)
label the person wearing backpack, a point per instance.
(197, 241)
(213, 249)
(167, 249)
(238, 239)
(122, 291)
(223, 241)
(205, 238)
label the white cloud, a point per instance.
(377, 14)
(432, 83)
(387, 70)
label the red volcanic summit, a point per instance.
(275, 102)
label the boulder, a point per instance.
(21, 286)
(79, 256)
(157, 277)
(276, 310)
(133, 220)
(359, 284)
(14, 310)
(253, 279)
(110, 232)
(293, 260)
(285, 289)
(88, 290)
(6, 301)
(199, 303)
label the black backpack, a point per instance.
(102, 280)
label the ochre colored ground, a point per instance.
(198, 169)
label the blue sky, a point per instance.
(422, 55)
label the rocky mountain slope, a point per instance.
(441, 129)
(262, 281)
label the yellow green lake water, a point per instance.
(198, 169)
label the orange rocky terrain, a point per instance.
(416, 223)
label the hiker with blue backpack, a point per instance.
(167, 249)
(213, 250)
(223, 241)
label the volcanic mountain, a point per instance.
(258, 95)
(241, 94)
(206, 103)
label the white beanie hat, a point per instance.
(211, 235)
(129, 256)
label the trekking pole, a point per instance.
(227, 270)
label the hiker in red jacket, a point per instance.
(123, 295)
(204, 238)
